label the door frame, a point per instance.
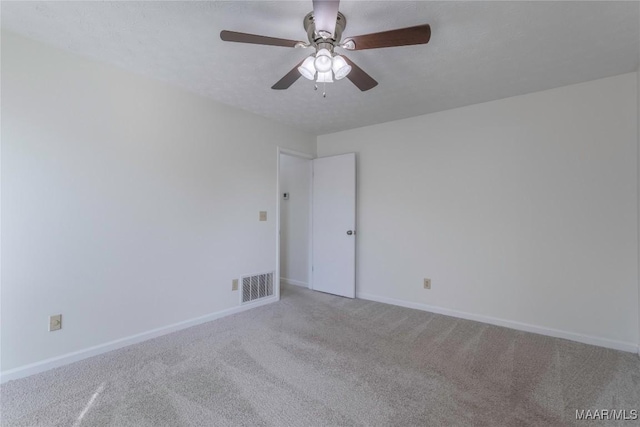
(305, 156)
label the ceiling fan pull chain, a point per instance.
(324, 89)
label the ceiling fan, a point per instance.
(324, 27)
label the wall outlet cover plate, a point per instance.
(55, 322)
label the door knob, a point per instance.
(349, 233)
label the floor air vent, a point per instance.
(256, 287)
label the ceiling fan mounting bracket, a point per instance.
(316, 39)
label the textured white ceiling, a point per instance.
(479, 51)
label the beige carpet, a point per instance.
(316, 360)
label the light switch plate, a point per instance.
(234, 285)
(263, 215)
(55, 322)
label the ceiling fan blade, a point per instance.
(325, 15)
(289, 78)
(359, 78)
(419, 34)
(232, 36)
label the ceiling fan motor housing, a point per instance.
(316, 39)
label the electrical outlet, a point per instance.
(263, 215)
(427, 283)
(234, 285)
(55, 322)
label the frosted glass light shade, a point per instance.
(323, 61)
(325, 77)
(340, 67)
(307, 70)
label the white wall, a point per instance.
(519, 210)
(128, 204)
(295, 179)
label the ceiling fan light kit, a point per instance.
(324, 27)
(324, 77)
(323, 61)
(323, 65)
(307, 69)
(340, 67)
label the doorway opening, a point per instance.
(294, 218)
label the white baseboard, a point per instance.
(65, 359)
(572, 336)
(293, 282)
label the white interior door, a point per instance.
(334, 225)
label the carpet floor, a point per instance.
(314, 359)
